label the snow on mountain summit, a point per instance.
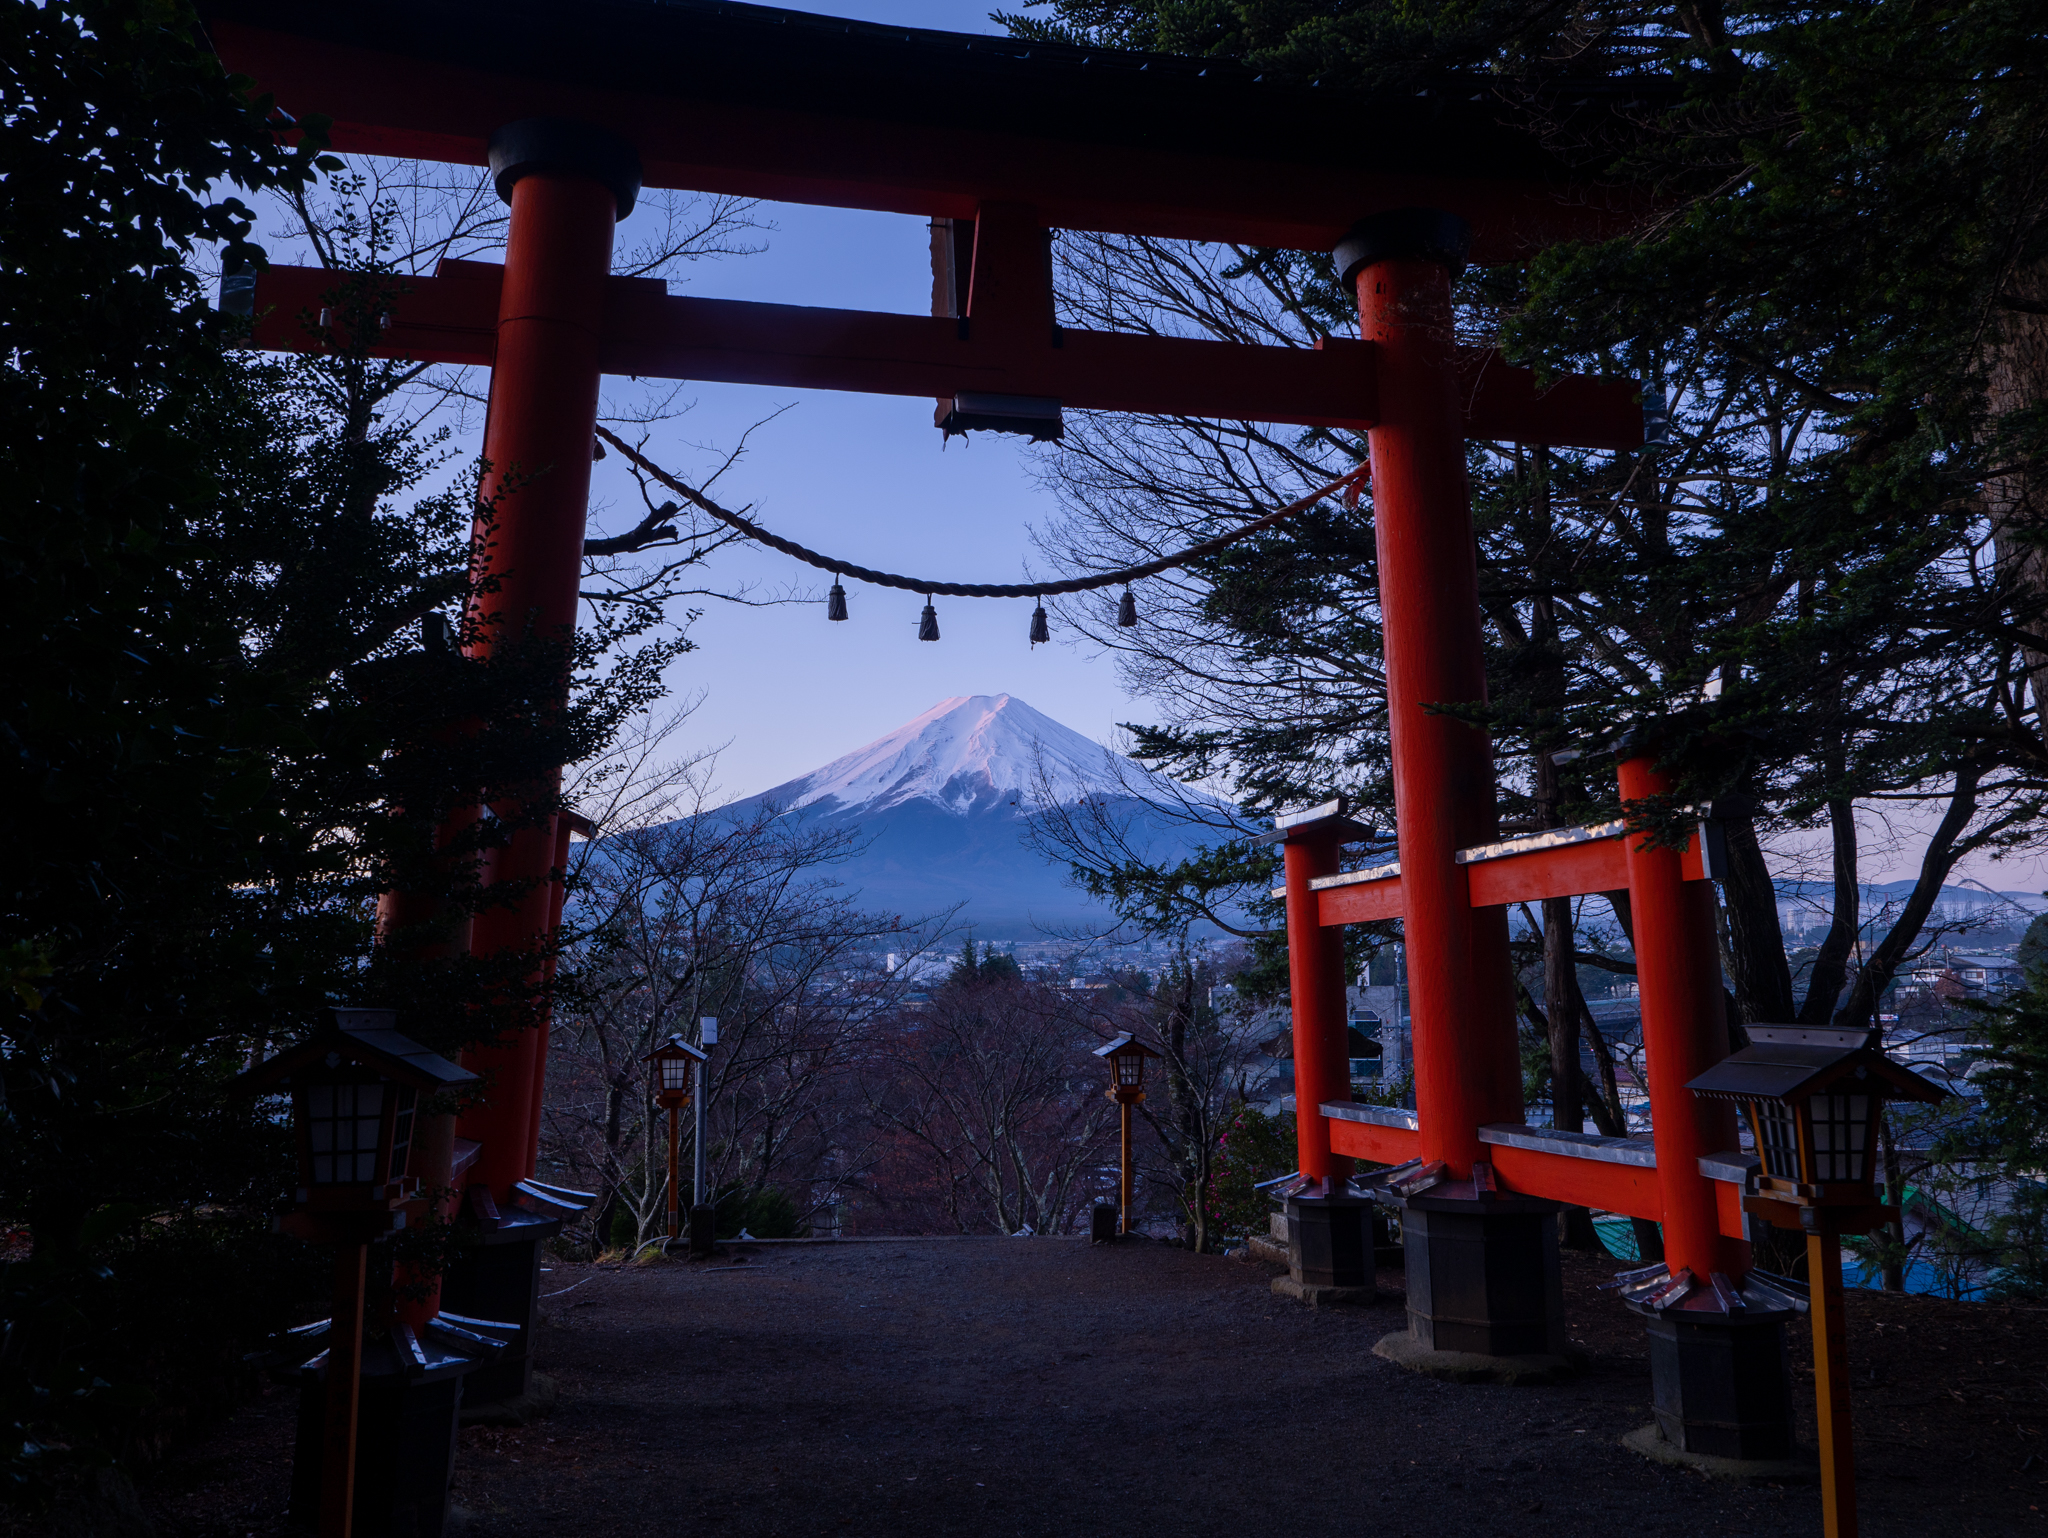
(942, 808)
(973, 753)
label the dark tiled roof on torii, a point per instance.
(763, 102)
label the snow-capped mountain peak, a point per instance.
(976, 752)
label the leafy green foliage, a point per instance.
(766, 1212)
(2010, 1137)
(990, 967)
(1825, 587)
(1252, 1147)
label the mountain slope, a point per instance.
(943, 804)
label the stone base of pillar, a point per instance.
(1721, 1385)
(1324, 1297)
(405, 1448)
(703, 1231)
(499, 1279)
(1648, 1442)
(1330, 1244)
(1471, 1367)
(1483, 1276)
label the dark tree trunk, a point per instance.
(1894, 1266)
(1831, 966)
(1753, 951)
(2016, 380)
(1945, 847)
(1606, 1104)
(1548, 688)
(1649, 1240)
(1187, 1143)
(1562, 1007)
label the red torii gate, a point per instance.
(1007, 140)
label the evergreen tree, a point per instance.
(224, 738)
(2008, 1140)
(989, 967)
(1823, 587)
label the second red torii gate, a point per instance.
(1688, 1177)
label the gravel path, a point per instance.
(998, 1386)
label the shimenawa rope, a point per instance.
(1351, 482)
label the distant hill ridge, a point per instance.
(1811, 902)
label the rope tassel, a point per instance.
(1039, 632)
(1127, 612)
(928, 622)
(835, 601)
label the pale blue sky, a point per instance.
(870, 478)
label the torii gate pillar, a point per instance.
(568, 186)
(1482, 1268)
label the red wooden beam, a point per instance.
(452, 318)
(1360, 903)
(819, 111)
(1626, 1188)
(1576, 869)
(1597, 865)
(1503, 405)
(1376, 1144)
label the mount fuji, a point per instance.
(942, 805)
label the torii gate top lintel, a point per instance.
(759, 102)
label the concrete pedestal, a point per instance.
(499, 1279)
(405, 1447)
(1721, 1385)
(1483, 1276)
(1330, 1242)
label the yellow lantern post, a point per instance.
(356, 1087)
(1126, 1055)
(675, 1067)
(1813, 1096)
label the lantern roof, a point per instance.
(675, 1046)
(365, 1037)
(1123, 1046)
(1790, 1062)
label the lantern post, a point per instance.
(1812, 1097)
(707, 1038)
(676, 1067)
(1126, 1056)
(356, 1087)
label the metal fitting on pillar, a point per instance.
(560, 145)
(1403, 234)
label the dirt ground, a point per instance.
(1045, 1386)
